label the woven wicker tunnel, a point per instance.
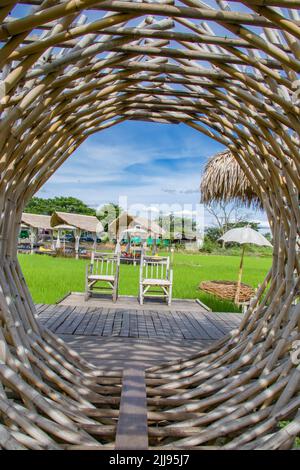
(227, 69)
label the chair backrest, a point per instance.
(154, 267)
(105, 263)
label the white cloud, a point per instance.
(150, 164)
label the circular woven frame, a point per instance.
(65, 77)
(227, 290)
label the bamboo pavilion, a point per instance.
(227, 69)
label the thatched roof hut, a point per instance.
(125, 221)
(36, 221)
(224, 180)
(85, 223)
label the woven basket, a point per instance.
(227, 290)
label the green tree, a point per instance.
(176, 224)
(214, 233)
(226, 217)
(38, 205)
(107, 213)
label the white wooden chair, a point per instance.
(156, 278)
(102, 275)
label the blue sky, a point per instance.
(150, 164)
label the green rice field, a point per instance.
(49, 278)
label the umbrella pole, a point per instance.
(237, 294)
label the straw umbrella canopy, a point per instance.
(224, 180)
(244, 236)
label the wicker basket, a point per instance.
(227, 290)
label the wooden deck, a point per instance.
(114, 336)
(149, 322)
(115, 353)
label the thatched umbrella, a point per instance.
(224, 180)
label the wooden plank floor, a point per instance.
(77, 299)
(132, 429)
(117, 336)
(112, 353)
(150, 322)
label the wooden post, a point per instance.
(58, 244)
(77, 241)
(33, 238)
(238, 288)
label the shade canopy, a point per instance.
(224, 180)
(245, 235)
(86, 223)
(37, 221)
(64, 227)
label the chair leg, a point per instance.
(141, 296)
(115, 293)
(170, 296)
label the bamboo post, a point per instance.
(238, 288)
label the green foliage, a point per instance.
(214, 233)
(243, 223)
(108, 213)
(268, 236)
(38, 205)
(212, 245)
(209, 245)
(283, 424)
(49, 279)
(233, 249)
(174, 225)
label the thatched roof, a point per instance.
(224, 180)
(125, 221)
(36, 221)
(86, 223)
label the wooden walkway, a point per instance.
(124, 339)
(171, 324)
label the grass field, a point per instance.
(49, 279)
